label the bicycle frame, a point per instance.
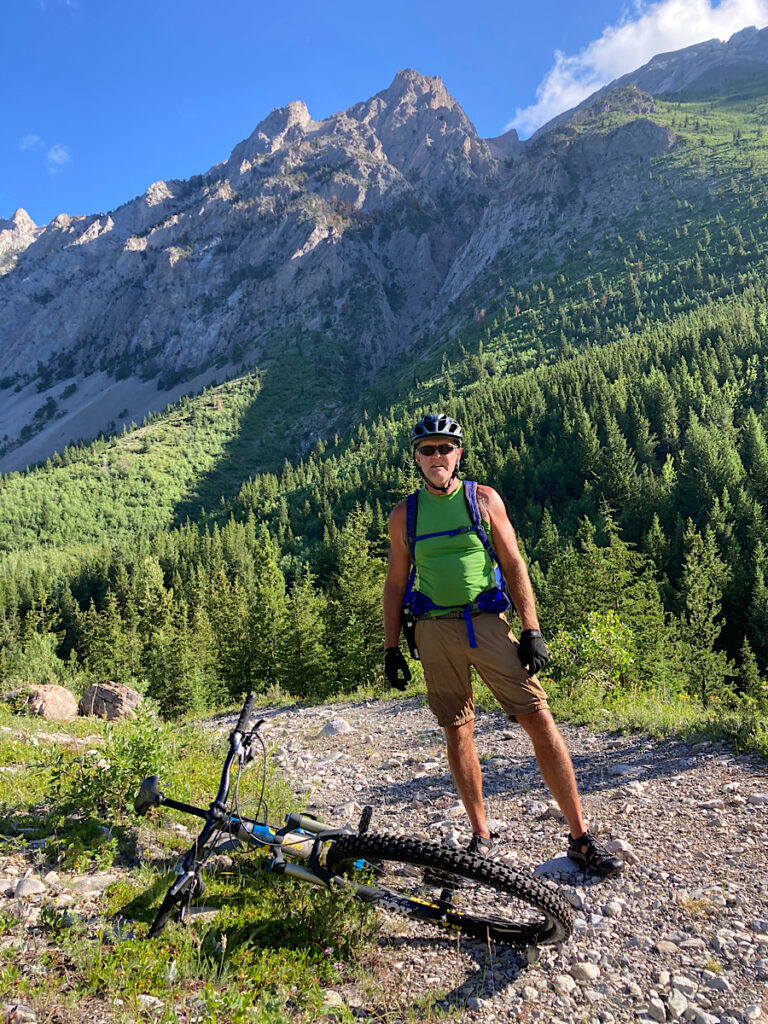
(301, 838)
(350, 852)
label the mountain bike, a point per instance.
(478, 896)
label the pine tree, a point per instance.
(355, 611)
(751, 683)
(304, 654)
(703, 578)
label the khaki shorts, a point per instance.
(446, 658)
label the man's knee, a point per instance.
(458, 736)
(538, 723)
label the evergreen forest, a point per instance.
(617, 400)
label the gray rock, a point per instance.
(664, 946)
(18, 1013)
(657, 1010)
(700, 1016)
(685, 985)
(93, 883)
(557, 867)
(29, 886)
(51, 702)
(584, 972)
(336, 727)
(677, 1004)
(474, 1003)
(150, 1003)
(110, 700)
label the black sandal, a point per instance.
(590, 854)
(482, 845)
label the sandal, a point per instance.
(481, 845)
(590, 854)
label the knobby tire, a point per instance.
(502, 888)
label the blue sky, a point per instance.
(103, 97)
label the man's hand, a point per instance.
(396, 668)
(532, 651)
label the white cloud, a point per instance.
(31, 141)
(56, 157)
(651, 29)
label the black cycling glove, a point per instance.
(396, 668)
(532, 650)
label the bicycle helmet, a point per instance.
(436, 424)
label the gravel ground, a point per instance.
(682, 934)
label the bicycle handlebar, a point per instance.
(246, 713)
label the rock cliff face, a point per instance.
(346, 226)
(357, 234)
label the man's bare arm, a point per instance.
(510, 560)
(398, 571)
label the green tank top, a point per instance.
(451, 571)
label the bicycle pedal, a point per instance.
(365, 820)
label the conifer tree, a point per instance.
(703, 578)
(355, 612)
(305, 658)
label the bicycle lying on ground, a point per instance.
(478, 896)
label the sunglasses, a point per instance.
(437, 449)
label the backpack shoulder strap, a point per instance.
(412, 512)
(470, 496)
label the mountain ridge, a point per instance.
(346, 246)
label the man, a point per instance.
(453, 568)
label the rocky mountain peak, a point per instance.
(21, 221)
(15, 235)
(411, 87)
(282, 127)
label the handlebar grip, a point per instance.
(246, 713)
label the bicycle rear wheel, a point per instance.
(477, 895)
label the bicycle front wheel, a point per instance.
(475, 895)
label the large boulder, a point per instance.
(109, 700)
(54, 703)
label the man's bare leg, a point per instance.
(555, 765)
(467, 776)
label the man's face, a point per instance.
(438, 458)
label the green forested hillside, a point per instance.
(619, 403)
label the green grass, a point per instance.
(268, 955)
(127, 484)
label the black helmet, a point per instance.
(436, 424)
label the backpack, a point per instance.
(416, 604)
